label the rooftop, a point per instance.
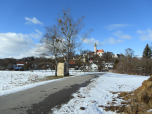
(101, 50)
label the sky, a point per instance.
(117, 24)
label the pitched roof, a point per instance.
(101, 50)
(71, 62)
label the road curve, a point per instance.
(40, 99)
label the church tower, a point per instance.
(95, 48)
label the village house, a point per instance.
(72, 64)
(92, 67)
(94, 61)
(20, 64)
(90, 61)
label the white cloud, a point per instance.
(120, 34)
(18, 45)
(111, 40)
(140, 31)
(115, 26)
(33, 20)
(145, 35)
(32, 51)
(36, 35)
(92, 41)
(12, 44)
(38, 31)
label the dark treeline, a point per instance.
(129, 64)
(30, 63)
(135, 66)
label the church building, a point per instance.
(100, 52)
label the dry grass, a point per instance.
(135, 102)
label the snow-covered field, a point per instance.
(98, 93)
(89, 98)
(13, 81)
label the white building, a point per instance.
(20, 64)
(94, 67)
(109, 65)
(115, 55)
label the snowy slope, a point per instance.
(98, 93)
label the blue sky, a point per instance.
(116, 24)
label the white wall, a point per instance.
(94, 67)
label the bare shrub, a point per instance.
(135, 66)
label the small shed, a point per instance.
(62, 69)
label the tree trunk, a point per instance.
(68, 66)
(56, 67)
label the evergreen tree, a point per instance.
(147, 52)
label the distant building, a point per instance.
(109, 66)
(71, 64)
(116, 56)
(93, 67)
(90, 55)
(20, 64)
(90, 61)
(100, 52)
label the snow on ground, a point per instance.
(98, 93)
(90, 98)
(149, 110)
(14, 81)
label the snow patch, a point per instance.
(98, 94)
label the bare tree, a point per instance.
(108, 57)
(83, 52)
(83, 61)
(129, 53)
(53, 44)
(61, 39)
(69, 31)
(134, 65)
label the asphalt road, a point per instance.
(40, 99)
